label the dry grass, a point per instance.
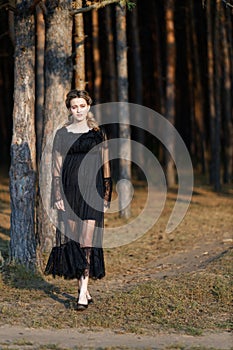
(138, 297)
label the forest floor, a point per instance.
(162, 291)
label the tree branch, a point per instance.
(96, 6)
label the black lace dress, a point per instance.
(81, 177)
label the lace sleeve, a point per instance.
(107, 191)
(106, 171)
(56, 168)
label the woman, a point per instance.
(81, 193)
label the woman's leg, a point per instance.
(86, 245)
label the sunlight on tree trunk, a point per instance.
(39, 105)
(58, 76)
(23, 152)
(80, 82)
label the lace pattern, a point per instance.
(107, 191)
(57, 188)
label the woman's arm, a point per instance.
(106, 171)
(57, 160)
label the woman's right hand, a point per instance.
(60, 205)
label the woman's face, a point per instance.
(79, 108)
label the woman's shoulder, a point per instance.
(102, 131)
(61, 130)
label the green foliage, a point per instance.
(130, 5)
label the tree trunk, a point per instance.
(124, 120)
(217, 77)
(139, 134)
(170, 89)
(96, 61)
(210, 85)
(23, 155)
(39, 106)
(199, 126)
(226, 103)
(211, 94)
(58, 76)
(80, 78)
(96, 57)
(158, 57)
(111, 56)
(190, 71)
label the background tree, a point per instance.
(123, 112)
(79, 38)
(23, 151)
(58, 77)
(170, 89)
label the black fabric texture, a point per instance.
(79, 172)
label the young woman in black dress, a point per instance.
(81, 193)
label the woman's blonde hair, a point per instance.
(91, 121)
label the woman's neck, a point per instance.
(78, 126)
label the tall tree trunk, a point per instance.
(111, 75)
(96, 61)
(211, 90)
(111, 56)
(226, 102)
(210, 85)
(96, 56)
(58, 76)
(158, 56)
(80, 80)
(200, 133)
(39, 105)
(217, 77)
(190, 70)
(139, 134)
(170, 88)
(23, 154)
(124, 119)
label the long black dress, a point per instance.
(81, 177)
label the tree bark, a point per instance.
(80, 81)
(39, 105)
(199, 126)
(58, 77)
(23, 155)
(111, 56)
(170, 89)
(226, 102)
(124, 119)
(139, 134)
(210, 85)
(211, 92)
(217, 118)
(96, 57)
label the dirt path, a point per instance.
(20, 338)
(14, 337)
(205, 237)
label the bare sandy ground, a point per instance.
(23, 338)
